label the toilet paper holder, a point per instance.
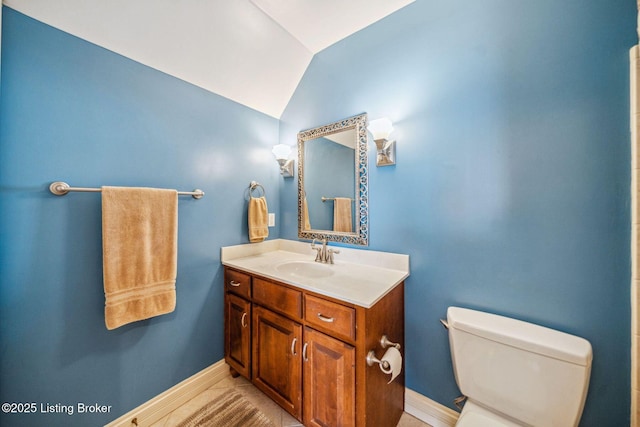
(384, 342)
(371, 359)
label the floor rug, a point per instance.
(230, 409)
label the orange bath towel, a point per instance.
(139, 247)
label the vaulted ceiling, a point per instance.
(251, 51)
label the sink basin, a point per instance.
(305, 269)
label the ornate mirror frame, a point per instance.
(360, 236)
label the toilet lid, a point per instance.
(475, 419)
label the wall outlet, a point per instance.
(272, 220)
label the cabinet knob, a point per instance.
(234, 284)
(304, 352)
(293, 346)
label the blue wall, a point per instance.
(75, 112)
(511, 189)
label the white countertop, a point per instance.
(358, 276)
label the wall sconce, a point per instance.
(281, 153)
(380, 129)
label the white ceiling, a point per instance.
(318, 24)
(251, 51)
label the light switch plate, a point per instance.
(272, 220)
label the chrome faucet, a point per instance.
(324, 253)
(321, 254)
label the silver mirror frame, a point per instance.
(361, 234)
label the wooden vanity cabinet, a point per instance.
(308, 352)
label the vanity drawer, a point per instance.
(237, 283)
(333, 317)
(278, 298)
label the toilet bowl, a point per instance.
(515, 373)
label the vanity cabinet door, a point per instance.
(329, 381)
(277, 362)
(237, 335)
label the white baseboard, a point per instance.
(421, 407)
(168, 401)
(429, 411)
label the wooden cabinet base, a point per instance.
(316, 372)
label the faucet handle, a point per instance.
(330, 253)
(318, 251)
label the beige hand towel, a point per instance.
(139, 246)
(342, 214)
(258, 219)
(305, 214)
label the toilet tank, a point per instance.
(531, 374)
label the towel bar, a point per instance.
(60, 188)
(331, 199)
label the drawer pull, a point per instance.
(234, 284)
(243, 320)
(293, 346)
(325, 318)
(304, 352)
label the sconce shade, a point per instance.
(281, 151)
(380, 128)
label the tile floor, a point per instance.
(279, 417)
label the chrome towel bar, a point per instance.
(331, 199)
(60, 188)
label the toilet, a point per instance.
(515, 373)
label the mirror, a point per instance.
(333, 182)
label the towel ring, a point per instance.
(253, 186)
